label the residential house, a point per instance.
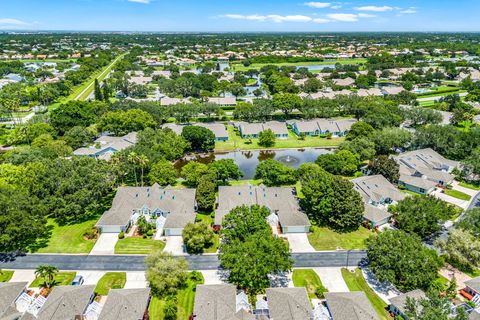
(281, 201)
(472, 288)
(218, 129)
(105, 146)
(167, 101)
(65, 303)
(350, 306)
(252, 130)
(172, 209)
(377, 193)
(220, 302)
(315, 127)
(9, 294)
(288, 303)
(392, 90)
(424, 164)
(223, 101)
(140, 80)
(398, 304)
(126, 304)
(347, 82)
(177, 128)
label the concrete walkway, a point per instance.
(23, 276)
(105, 244)
(136, 280)
(174, 245)
(332, 279)
(298, 242)
(385, 291)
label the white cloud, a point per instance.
(410, 10)
(336, 6)
(321, 20)
(344, 17)
(272, 17)
(375, 8)
(12, 22)
(140, 1)
(318, 5)
(366, 15)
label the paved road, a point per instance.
(475, 203)
(136, 262)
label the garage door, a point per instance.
(295, 229)
(173, 232)
(111, 229)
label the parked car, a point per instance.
(78, 281)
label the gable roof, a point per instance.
(474, 284)
(108, 142)
(218, 129)
(375, 214)
(9, 292)
(180, 204)
(214, 302)
(125, 304)
(66, 302)
(400, 301)
(289, 303)
(376, 187)
(350, 306)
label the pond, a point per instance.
(248, 160)
(317, 67)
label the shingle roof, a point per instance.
(350, 306)
(108, 142)
(400, 301)
(9, 292)
(289, 303)
(66, 302)
(375, 214)
(279, 200)
(214, 302)
(474, 284)
(125, 304)
(376, 187)
(417, 182)
(180, 204)
(218, 129)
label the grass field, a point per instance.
(326, 239)
(110, 280)
(241, 67)
(309, 279)
(356, 282)
(185, 298)
(136, 245)
(69, 238)
(457, 194)
(236, 142)
(6, 275)
(61, 279)
(469, 185)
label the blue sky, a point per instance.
(240, 15)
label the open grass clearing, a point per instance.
(138, 245)
(69, 238)
(356, 282)
(322, 238)
(60, 279)
(241, 67)
(110, 280)
(457, 194)
(469, 185)
(310, 280)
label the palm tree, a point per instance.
(143, 162)
(133, 160)
(47, 273)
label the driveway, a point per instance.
(174, 245)
(298, 242)
(332, 279)
(105, 244)
(212, 276)
(461, 203)
(23, 276)
(90, 277)
(136, 280)
(384, 290)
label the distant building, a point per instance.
(218, 129)
(105, 146)
(252, 130)
(315, 127)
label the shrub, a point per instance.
(121, 235)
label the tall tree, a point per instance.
(165, 273)
(97, 91)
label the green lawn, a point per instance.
(136, 245)
(356, 282)
(326, 239)
(236, 142)
(410, 192)
(110, 280)
(6, 275)
(185, 298)
(241, 67)
(208, 219)
(61, 279)
(457, 194)
(69, 238)
(309, 279)
(469, 185)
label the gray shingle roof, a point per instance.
(66, 302)
(125, 304)
(350, 306)
(417, 182)
(280, 200)
(214, 302)
(218, 129)
(180, 204)
(108, 142)
(289, 303)
(9, 292)
(375, 214)
(376, 187)
(474, 284)
(400, 301)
